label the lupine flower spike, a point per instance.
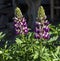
(20, 24)
(42, 28)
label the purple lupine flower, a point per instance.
(46, 28)
(46, 23)
(20, 26)
(21, 23)
(25, 31)
(23, 20)
(42, 30)
(38, 24)
(37, 36)
(15, 18)
(37, 30)
(46, 35)
(24, 28)
(25, 24)
(17, 30)
(16, 25)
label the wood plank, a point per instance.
(57, 7)
(52, 9)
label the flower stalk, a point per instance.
(42, 25)
(20, 24)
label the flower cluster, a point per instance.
(20, 25)
(42, 25)
(42, 30)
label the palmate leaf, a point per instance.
(18, 41)
(43, 50)
(57, 51)
(30, 35)
(53, 39)
(45, 55)
(1, 52)
(53, 29)
(57, 59)
(35, 55)
(58, 29)
(54, 57)
(45, 58)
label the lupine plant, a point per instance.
(20, 24)
(42, 25)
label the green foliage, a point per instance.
(18, 12)
(27, 48)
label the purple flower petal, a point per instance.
(17, 31)
(38, 23)
(46, 29)
(37, 36)
(46, 36)
(21, 23)
(15, 18)
(26, 31)
(25, 24)
(20, 26)
(24, 28)
(37, 30)
(15, 21)
(46, 22)
(23, 20)
(16, 25)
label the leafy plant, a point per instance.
(31, 49)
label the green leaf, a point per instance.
(43, 49)
(58, 29)
(57, 50)
(53, 55)
(36, 55)
(1, 52)
(29, 36)
(18, 41)
(53, 39)
(57, 59)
